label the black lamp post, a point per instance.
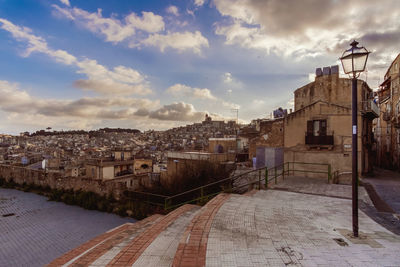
(354, 61)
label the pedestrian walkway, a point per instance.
(262, 228)
(387, 186)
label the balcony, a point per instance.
(396, 121)
(370, 109)
(387, 116)
(321, 140)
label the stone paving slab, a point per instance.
(319, 186)
(279, 228)
(42, 230)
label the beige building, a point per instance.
(121, 163)
(387, 131)
(319, 129)
(222, 145)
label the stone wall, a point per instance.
(271, 135)
(56, 180)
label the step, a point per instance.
(105, 251)
(95, 243)
(132, 251)
(161, 252)
(193, 244)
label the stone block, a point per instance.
(335, 69)
(326, 71)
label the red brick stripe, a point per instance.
(135, 248)
(192, 248)
(101, 249)
(85, 246)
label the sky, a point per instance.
(89, 64)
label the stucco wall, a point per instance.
(108, 172)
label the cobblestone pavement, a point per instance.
(40, 230)
(387, 185)
(280, 228)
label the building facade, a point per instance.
(319, 129)
(387, 131)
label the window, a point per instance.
(316, 127)
(122, 155)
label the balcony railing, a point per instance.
(370, 108)
(321, 140)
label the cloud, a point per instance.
(306, 28)
(199, 2)
(173, 10)
(120, 79)
(227, 77)
(185, 41)
(184, 90)
(177, 112)
(85, 113)
(181, 90)
(113, 29)
(14, 100)
(65, 2)
(150, 25)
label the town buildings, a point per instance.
(387, 131)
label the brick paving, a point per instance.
(133, 251)
(192, 248)
(42, 230)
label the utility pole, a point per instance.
(236, 110)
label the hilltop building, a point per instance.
(319, 129)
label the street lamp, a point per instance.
(354, 61)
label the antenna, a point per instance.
(236, 110)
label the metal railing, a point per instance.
(319, 140)
(370, 106)
(260, 178)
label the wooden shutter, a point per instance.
(322, 127)
(310, 127)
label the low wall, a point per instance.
(55, 180)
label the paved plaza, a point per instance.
(309, 227)
(35, 231)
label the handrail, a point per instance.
(276, 172)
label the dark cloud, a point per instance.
(177, 112)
